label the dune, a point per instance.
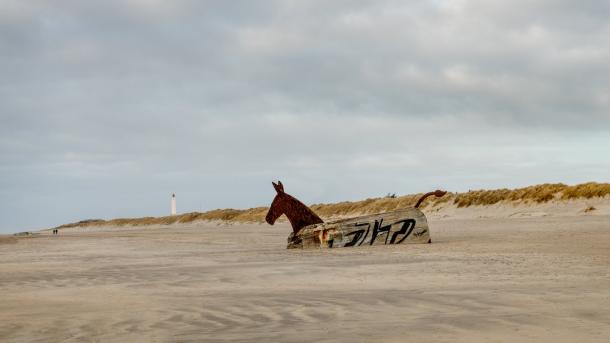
(542, 199)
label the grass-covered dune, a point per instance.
(532, 194)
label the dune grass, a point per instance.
(532, 194)
(535, 194)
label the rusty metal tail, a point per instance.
(438, 193)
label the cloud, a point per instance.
(108, 106)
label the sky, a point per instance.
(108, 107)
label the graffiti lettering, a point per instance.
(407, 227)
(420, 233)
(357, 234)
(360, 233)
(378, 230)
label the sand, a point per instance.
(529, 279)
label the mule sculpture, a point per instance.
(298, 213)
(309, 230)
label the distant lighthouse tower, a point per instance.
(173, 204)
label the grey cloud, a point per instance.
(213, 99)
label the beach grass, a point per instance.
(532, 194)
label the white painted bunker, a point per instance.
(407, 226)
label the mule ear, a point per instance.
(278, 187)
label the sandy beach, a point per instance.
(482, 280)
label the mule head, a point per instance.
(277, 205)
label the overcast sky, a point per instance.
(108, 107)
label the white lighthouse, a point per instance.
(173, 204)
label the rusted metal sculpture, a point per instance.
(309, 231)
(298, 213)
(437, 193)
